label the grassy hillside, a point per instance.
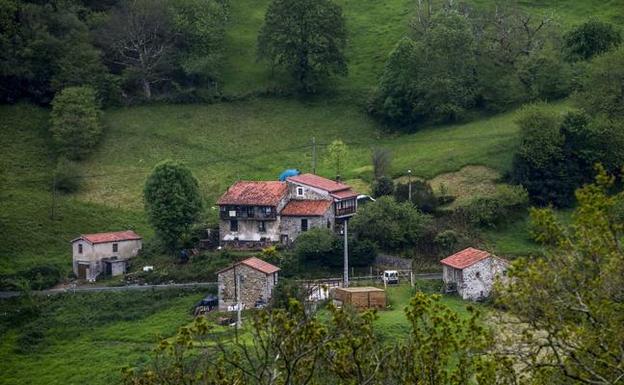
(87, 338)
(374, 28)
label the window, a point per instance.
(478, 274)
(328, 224)
(251, 211)
(299, 191)
(233, 225)
(80, 248)
(304, 225)
(115, 247)
(262, 226)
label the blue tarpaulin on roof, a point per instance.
(288, 173)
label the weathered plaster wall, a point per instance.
(255, 286)
(93, 254)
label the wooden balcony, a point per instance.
(248, 213)
(346, 211)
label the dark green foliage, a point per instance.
(383, 186)
(44, 47)
(322, 247)
(305, 37)
(172, 201)
(591, 38)
(545, 75)
(67, 176)
(76, 127)
(602, 89)
(557, 155)
(391, 225)
(422, 195)
(284, 291)
(446, 241)
(431, 77)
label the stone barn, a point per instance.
(257, 279)
(104, 253)
(472, 272)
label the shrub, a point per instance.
(389, 224)
(446, 241)
(75, 119)
(316, 246)
(383, 186)
(602, 92)
(67, 176)
(499, 208)
(590, 39)
(422, 195)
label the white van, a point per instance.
(390, 277)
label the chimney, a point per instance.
(338, 178)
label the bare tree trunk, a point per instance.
(147, 90)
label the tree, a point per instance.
(139, 38)
(557, 154)
(381, 159)
(316, 246)
(431, 77)
(392, 226)
(545, 75)
(75, 118)
(337, 152)
(422, 195)
(172, 201)
(602, 89)
(45, 47)
(383, 186)
(570, 329)
(590, 39)
(305, 37)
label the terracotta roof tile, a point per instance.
(465, 258)
(116, 236)
(255, 263)
(264, 193)
(344, 194)
(306, 208)
(319, 182)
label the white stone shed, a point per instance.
(472, 273)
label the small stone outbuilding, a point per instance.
(104, 253)
(472, 273)
(257, 279)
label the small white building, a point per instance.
(104, 253)
(472, 273)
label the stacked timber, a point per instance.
(360, 297)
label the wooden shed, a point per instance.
(361, 297)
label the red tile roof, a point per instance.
(116, 236)
(344, 194)
(255, 263)
(465, 258)
(306, 208)
(254, 193)
(319, 182)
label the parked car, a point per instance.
(390, 277)
(207, 304)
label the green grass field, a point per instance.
(88, 338)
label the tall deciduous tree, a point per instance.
(172, 201)
(603, 87)
(337, 153)
(305, 37)
(76, 126)
(139, 37)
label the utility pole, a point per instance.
(346, 256)
(313, 155)
(238, 300)
(409, 185)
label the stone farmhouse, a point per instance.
(104, 253)
(254, 215)
(256, 278)
(472, 272)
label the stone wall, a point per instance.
(292, 225)
(248, 230)
(479, 278)
(308, 192)
(255, 286)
